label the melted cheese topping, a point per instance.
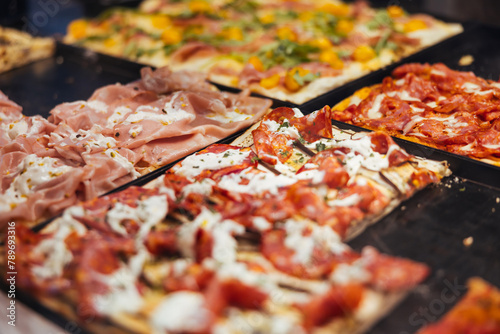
(403, 95)
(92, 139)
(120, 159)
(348, 201)
(118, 115)
(284, 128)
(152, 113)
(122, 294)
(322, 236)
(182, 311)
(363, 155)
(374, 111)
(193, 165)
(54, 249)
(350, 273)
(229, 116)
(257, 182)
(33, 171)
(204, 187)
(149, 212)
(261, 224)
(16, 128)
(98, 106)
(135, 131)
(169, 114)
(240, 271)
(224, 244)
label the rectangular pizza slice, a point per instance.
(432, 105)
(18, 48)
(226, 243)
(289, 50)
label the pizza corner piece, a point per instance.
(477, 312)
(236, 239)
(86, 148)
(18, 48)
(289, 50)
(433, 105)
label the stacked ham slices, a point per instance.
(87, 148)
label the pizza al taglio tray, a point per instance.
(478, 43)
(452, 227)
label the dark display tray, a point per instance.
(479, 41)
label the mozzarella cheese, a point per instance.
(54, 249)
(182, 311)
(32, 172)
(224, 244)
(257, 183)
(193, 165)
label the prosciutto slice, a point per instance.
(119, 133)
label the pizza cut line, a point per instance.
(89, 147)
(289, 50)
(431, 105)
(236, 239)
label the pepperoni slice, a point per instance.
(316, 125)
(271, 146)
(194, 277)
(337, 302)
(162, 242)
(274, 249)
(392, 273)
(99, 256)
(331, 163)
(97, 209)
(249, 161)
(221, 294)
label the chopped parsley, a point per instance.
(381, 19)
(254, 159)
(285, 53)
(320, 147)
(302, 80)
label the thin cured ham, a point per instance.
(119, 133)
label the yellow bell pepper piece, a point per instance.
(364, 53)
(306, 16)
(256, 63)
(78, 28)
(232, 33)
(395, 11)
(160, 21)
(267, 18)
(171, 35)
(286, 33)
(414, 25)
(331, 58)
(340, 9)
(290, 83)
(200, 6)
(344, 26)
(270, 82)
(322, 43)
